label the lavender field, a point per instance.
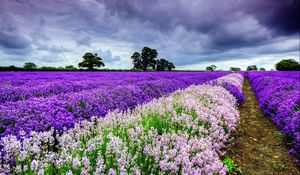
(117, 123)
(39, 101)
(161, 87)
(134, 122)
(278, 94)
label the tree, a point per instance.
(211, 68)
(252, 68)
(262, 69)
(288, 64)
(91, 60)
(147, 60)
(70, 67)
(163, 64)
(235, 69)
(48, 68)
(170, 66)
(29, 65)
(144, 60)
(136, 60)
(148, 57)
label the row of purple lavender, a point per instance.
(25, 85)
(186, 132)
(278, 94)
(39, 101)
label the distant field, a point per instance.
(135, 122)
(37, 101)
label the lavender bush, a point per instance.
(184, 133)
(278, 94)
(234, 84)
(236, 92)
(58, 109)
(25, 85)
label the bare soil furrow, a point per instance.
(259, 146)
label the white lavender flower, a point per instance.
(76, 163)
(34, 165)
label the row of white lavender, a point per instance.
(184, 133)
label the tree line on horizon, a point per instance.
(147, 59)
(144, 61)
(283, 65)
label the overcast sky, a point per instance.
(190, 33)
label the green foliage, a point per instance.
(279, 134)
(136, 60)
(214, 67)
(235, 69)
(144, 60)
(47, 68)
(136, 70)
(156, 121)
(278, 166)
(147, 60)
(282, 137)
(29, 66)
(82, 105)
(91, 60)
(211, 68)
(208, 68)
(232, 167)
(70, 67)
(297, 108)
(252, 68)
(163, 64)
(12, 67)
(262, 69)
(287, 65)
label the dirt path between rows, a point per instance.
(259, 146)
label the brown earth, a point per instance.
(259, 146)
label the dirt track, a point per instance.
(259, 146)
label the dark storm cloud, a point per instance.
(206, 16)
(167, 14)
(11, 41)
(282, 16)
(186, 32)
(213, 17)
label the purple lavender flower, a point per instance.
(278, 94)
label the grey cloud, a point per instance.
(107, 56)
(52, 58)
(186, 32)
(83, 39)
(213, 18)
(282, 16)
(11, 41)
(204, 16)
(52, 48)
